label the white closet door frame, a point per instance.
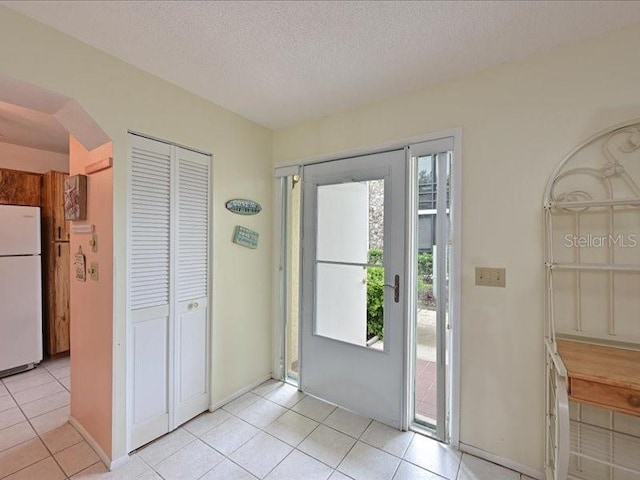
(173, 308)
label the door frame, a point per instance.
(128, 354)
(279, 290)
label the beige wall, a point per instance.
(120, 97)
(519, 120)
(91, 304)
(17, 157)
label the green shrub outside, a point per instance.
(375, 302)
(375, 289)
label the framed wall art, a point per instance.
(75, 198)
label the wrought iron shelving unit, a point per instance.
(592, 311)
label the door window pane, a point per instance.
(341, 302)
(349, 262)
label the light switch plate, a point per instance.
(94, 243)
(93, 271)
(491, 277)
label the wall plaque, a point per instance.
(242, 206)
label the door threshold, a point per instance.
(425, 431)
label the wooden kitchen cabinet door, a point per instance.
(19, 188)
(57, 318)
(56, 228)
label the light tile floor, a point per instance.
(272, 433)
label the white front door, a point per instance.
(353, 300)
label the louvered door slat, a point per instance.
(150, 224)
(193, 227)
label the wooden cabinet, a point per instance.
(56, 301)
(56, 260)
(55, 228)
(19, 188)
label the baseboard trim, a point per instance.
(239, 393)
(478, 452)
(110, 464)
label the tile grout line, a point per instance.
(359, 438)
(288, 409)
(28, 420)
(295, 448)
(38, 436)
(352, 446)
(263, 430)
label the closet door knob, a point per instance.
(193, 305)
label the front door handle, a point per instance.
(396, 288)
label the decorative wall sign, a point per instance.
(245, 237)
(242, 206)
(75, 198)
(82, 229)
(81, 266)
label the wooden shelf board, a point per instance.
(602, 364)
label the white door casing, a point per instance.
(365, 380)
(168, 346)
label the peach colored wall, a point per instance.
(92, 303)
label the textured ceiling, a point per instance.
(278, 63)
(31, 128)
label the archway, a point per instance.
(91, 300)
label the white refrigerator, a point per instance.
(20, 289)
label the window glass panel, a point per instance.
(341, 300)
(350, 222)
(426, 381)
(350, 230)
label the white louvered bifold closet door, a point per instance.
(192, 254)
(149, 273)
(168, 366)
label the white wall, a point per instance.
(519, 120)
(120, 97)
(17, 157)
